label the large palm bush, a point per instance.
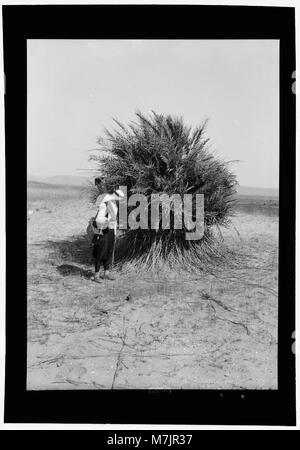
(160, 154)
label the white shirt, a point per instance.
(107, 211)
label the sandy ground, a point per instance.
(170, 331)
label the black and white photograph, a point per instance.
(153, 177)
(140, 125)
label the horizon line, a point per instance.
(83, 176)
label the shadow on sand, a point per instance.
(69, 269)
(75, 252)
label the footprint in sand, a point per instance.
(76, 373)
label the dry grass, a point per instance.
(211, 330)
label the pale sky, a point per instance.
(76, 87)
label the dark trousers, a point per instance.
(103, 249)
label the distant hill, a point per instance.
(73, 180)
(42, 185)
(256, 191)
(66, 180)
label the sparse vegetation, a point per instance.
(177, 331)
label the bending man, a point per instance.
(105, 224)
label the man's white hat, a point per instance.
(120, 193)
